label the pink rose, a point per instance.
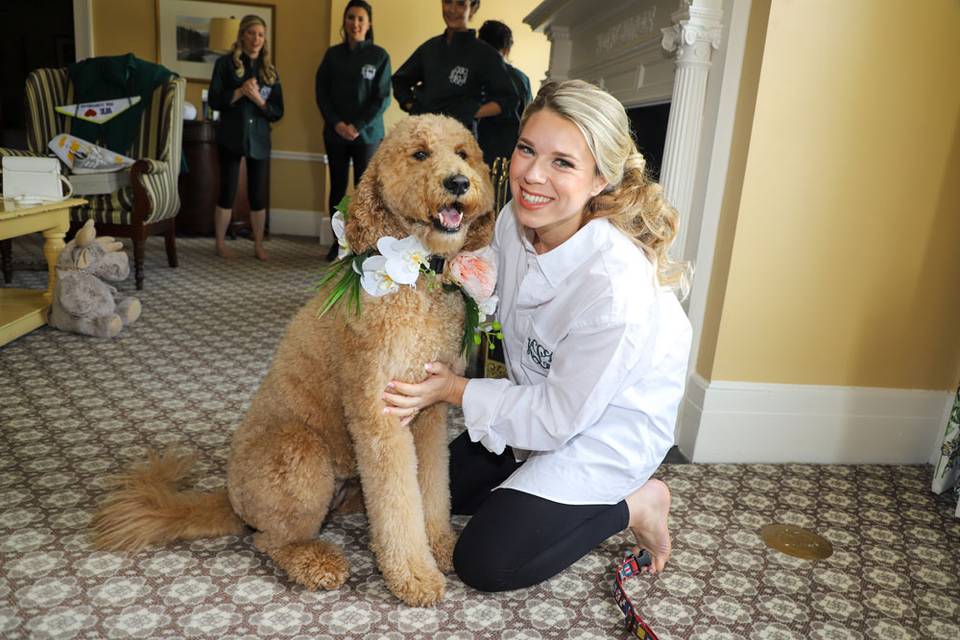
(476, 272)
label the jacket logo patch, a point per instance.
(368, 71)
(539, 354)
(458, 75)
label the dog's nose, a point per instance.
(457, 185)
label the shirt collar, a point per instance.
(363, 44)
(560, 262)
(460, 36)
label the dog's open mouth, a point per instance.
(449, 218)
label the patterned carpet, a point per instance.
(75, 409)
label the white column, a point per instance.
(695, 34)
(561, 48)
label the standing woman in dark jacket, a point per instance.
(353, 91)
(455, 74)
(245, 89)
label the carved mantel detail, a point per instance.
(627, 32)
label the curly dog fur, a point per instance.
(318, 418)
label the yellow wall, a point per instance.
(401, 27)
(843, 267)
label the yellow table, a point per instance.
(23, 310)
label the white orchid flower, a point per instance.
(340, 230)
(375, 279)
(489, 306)
(404, 258)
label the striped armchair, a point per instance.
(149, 205)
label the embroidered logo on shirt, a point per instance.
(458, 75)
(265, 92)
(367, 71)
(539, 354)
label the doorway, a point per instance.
(38, 33)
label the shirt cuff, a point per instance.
(481, 402)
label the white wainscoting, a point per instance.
(754, 422)
(301, 222)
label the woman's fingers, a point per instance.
(401, 412)
(397, 400)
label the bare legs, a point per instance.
(649, 507)
(221, 221)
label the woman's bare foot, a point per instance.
(223, 252)
(649, 507)
(260, 253)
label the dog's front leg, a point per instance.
(430, 437)
(387, 462)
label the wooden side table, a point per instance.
(200, 184)
(23, 310)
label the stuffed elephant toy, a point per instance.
(82, 302)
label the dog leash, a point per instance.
(626, 568)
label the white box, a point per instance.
(89, 184)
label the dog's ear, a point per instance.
(481, 232)
(369, 219)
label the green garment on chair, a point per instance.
(108, 78)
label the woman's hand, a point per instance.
(406, 400)
(346, 131)
(251, 89)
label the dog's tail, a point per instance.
(146, 508)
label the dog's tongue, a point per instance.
(450, 217)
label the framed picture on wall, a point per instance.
(184, 33)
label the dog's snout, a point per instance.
(457, 185)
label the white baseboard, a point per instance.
(725, 421)
(301, 222)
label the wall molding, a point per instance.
(301, 222)
(303, 156)
(756, 422)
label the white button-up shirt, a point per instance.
(596, 353)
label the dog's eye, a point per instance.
(421, 155)
(462, 154)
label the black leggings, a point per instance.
(339, 154)
(515, 539)
(230, 174)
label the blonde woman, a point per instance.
(559, 457)
(245, 89)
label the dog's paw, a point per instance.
(441, 545)
(314, 564)
(417, 585)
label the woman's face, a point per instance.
(456, 14)
(252, 40)
(552, 176)
(356, 24)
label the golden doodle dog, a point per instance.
(318, 418)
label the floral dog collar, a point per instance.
(400, 262)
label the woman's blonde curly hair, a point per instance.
(631, 201)
(268, 73)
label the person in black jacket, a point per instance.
(455, 74)
(245, 89)
(498, 135)
(353, 91)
